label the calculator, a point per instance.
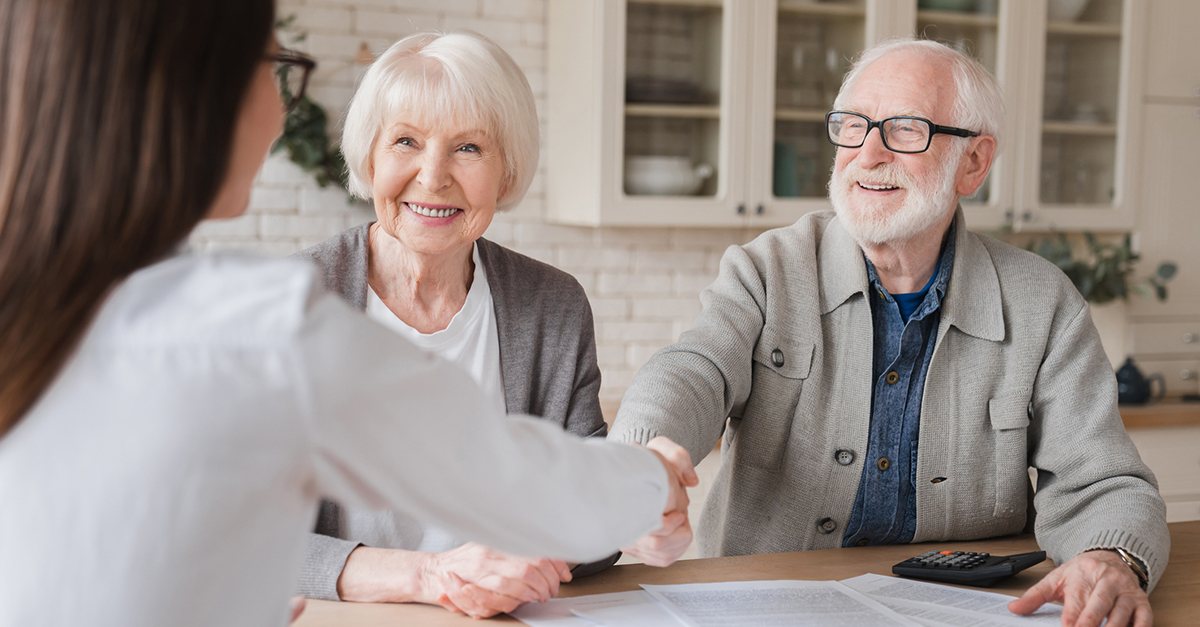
(966, 568)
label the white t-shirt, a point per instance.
(171, 473)
(470, 341)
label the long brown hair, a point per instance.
(116, 127)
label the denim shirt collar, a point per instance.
(941, 277)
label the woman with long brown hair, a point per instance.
(169, 421)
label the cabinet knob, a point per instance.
(741, 209)
(758, 209)
(1189, 338)
(1027, 217)
(1186, 374)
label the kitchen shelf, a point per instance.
(822, 10)
(1076, 29)
(1051, 127)
(800, 115)
(951, 18)
(650, 110)
(699, 4)
(1168, 413)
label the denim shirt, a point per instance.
(885, 509)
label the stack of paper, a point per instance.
(863, 601)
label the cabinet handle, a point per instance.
(759, 209)
(1027, 217)
(741, 209)
(1188, 338)
(1185, 374)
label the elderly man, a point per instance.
(882, 375)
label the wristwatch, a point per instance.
(1132, 562)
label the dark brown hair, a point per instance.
(116, 128)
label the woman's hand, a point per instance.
(480, 581)
(472, 579)
(1093, 585)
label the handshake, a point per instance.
(667, 544)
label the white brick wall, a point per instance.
(643, 283)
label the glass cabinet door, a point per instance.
(814, 45)
(672, 126)
(971, 27)
(1080, 102)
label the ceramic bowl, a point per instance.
(664, 176)
(1066, 10)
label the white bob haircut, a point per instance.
(460, 77)
(978, 102)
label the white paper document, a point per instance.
(774, 604)
(640, 611)
(934, 604)
(557, 612)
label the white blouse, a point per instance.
(170, 474)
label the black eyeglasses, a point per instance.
(291, 75)
(899, 134)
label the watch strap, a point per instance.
(1132, 561)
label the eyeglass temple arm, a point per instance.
(957, 132)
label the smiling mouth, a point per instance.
(430, 212)
(878, 188)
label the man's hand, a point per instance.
(682, 474)
(1092, 586)
(296, 608)
(664, 546)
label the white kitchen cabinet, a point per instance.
(743, 87)
(1173, 454)
(1166, 336)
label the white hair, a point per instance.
(978, 102)
(462, 77)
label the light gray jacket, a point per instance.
(547, 362)
(1018, 378)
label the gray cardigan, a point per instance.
(547, 361)
(779, 362)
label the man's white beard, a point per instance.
(925, 202)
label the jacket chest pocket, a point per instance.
(780, 366)
(1010, 426)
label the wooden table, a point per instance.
(1176, 600)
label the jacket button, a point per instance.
(777, 358)
(826, 525)
(884, 464)
(844, 457)
(863, 542)
(892, 378)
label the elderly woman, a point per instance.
(442, 134)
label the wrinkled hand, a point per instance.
(680, 472)
(664, 546)
(1092, 586)
(480, 581)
